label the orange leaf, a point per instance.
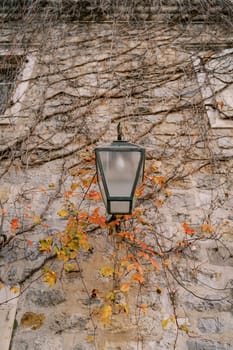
(135, 266)
(128, 235)
(159, 202)
(166, 262)
(125, 287)
(14, 224)
(155, 264)
(42, 189)
(187, 230)
(160, 180)
(144, 255)
(137, 277)
(139, 190)
(96, 218)
(94, 195)
(68, 194)
(143, 307)
(207, 228)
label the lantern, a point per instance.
(120, 168)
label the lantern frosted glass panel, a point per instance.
(120, 169)
(122, 207)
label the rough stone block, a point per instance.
(225, 142)
(210, 325)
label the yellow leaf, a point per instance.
(37, 220)
(51, 185)
(63, 213)
(125, 287)
(126, 308)
(164, 323)
(106, 271)
(184, 328)
(14, 289)
(106, 314)
(172, 319)
(69, 267)
(50, 277)
(111, 296)
(83, 242)
(46, 245)
(74, 186)
(90, 338)
(1, 285)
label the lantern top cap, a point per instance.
(120, 144)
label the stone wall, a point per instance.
(77, 82)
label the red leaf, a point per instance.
(29, 242)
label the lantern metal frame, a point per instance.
(119, 146)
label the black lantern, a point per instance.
(120, 168)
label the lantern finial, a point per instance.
(119, 132)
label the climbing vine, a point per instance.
(75, 69)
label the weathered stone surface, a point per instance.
(207, 345)
(220, 256)
(46, 298)
(64, 322)
(80, 347)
